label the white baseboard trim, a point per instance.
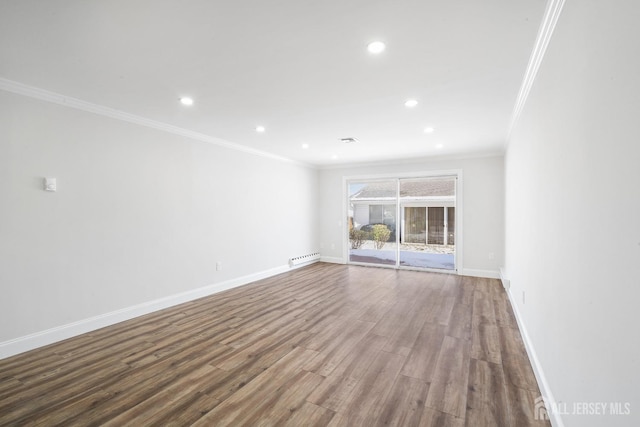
(332, 260)
(545, 390)
(490, 274)
(59, 333)
(506, 284)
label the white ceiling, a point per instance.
(298, 67)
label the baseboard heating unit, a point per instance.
(304, 259)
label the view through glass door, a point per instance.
(428, 222)
(372, 222)
(403, 222)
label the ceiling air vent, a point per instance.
(348, 140)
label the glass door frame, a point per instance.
(459, 239)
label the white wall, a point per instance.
(483, 195)
(139, 215)
(573, 210)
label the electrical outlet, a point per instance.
(523, 300)
(491, 255)
(333, 246)
(218, 266)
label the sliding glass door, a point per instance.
(373, 222)
(427, 204)
(403, 222)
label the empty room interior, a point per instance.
(329, 213)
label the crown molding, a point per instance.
(67, 101)
(416, 160)
(551, 15)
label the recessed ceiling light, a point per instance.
(305, 146)
(410, 103)
(334, 157)
(429, 130)
(260, 129)
(376, 47)
(439, 146)
(186, 100)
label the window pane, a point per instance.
(427, 235)
(372, 222)
(435, 219)
(415, 225)
(375, 214)
(451, 220)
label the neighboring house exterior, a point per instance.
(427, 208)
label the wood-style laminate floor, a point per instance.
(323, 345)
